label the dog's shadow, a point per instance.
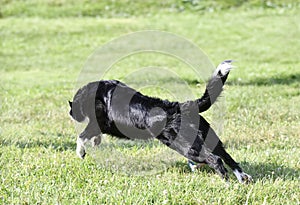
(259, 171)
(270, 171)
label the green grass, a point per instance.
(41, 58)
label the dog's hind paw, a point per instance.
(242, 177)
(192, 165)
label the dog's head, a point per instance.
(71, 113)
(83, 104)
(76, 111)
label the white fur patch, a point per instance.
(80, 150)
(82, 144)
(192, 166)
(224, 68)
(242, 177)
(238, 175)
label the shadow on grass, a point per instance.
(112, 142)
(59, 146)
(259, 171)
(270, 171)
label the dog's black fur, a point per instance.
(118, 110)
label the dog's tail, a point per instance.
(214, 86)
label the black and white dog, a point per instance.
(113, 108)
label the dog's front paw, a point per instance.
(80, 150)
(243, 177)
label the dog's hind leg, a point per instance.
(237, 170)
(193, 166)
(216, 163)
(91, 134)
(212, 161)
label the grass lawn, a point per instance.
(41, 58)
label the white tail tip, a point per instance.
(224, 67)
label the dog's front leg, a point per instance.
(92, 135)
(81, 144)
(80, 149)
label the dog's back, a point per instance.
(125, 113)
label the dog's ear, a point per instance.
(70, 103)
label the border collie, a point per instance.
(113, 108)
